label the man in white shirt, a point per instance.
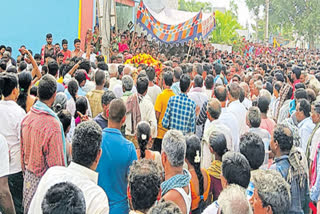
(235, 107)
(119, 89)
(315, 136)
(91, 56)
(213, 112)
(6, 202)
(86, 152)
(199, 96)
(153, 89)
(305, 125)
(113, 73)
(246, 102)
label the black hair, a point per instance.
(45, 69)
(103, 66)
(47, 87)
(86, 143)
(22, 65)
(120, 69)
(151, 73)
(64, 197)
(242, 95)
(289, 95)
(199, 68)
(218, 143)
(283, 135)
(73, 88)
(64, 41)
(3, 65)
(25, 79)
(8, 82)
(252, 147)
(143, 136)
(107, 97)
(297, 71)
(117, 110)
(142, 84)
(12, 69)
(277, 86)
(65, 118)
(80, 76)
(85, 65)
(76, 41)
(209, 82)
(2, 46)
(299, 85)
(193, 156)
(269, 87)
(49, 35)
(198, 81)
(236, 169)
(99, 77)
(305, 107)
(60, 54)
(34, 91)
(300, 94)
(37, 56)
(263, 104)
(217, 68)
(168, 78)
(184, 82)
(53, 68)
(81, 105)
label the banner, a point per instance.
(208, 25)
(169, 34)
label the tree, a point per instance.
(193, 5)
(226, 26)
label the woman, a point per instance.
(81, 109)
(200, 179)
(73, 91)
(218, 147)
(144, 142)
(11, 115)
(25, 99)
(60, 103)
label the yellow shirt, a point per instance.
(94, 98)
(161, 106)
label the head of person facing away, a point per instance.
(144, 184)
(64, 198)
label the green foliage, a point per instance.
(193, 5)
(226, 26)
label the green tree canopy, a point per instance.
(193, 5)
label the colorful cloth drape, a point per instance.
(208, 25)
(169, 34)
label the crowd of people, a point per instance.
(214, 132)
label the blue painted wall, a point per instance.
(26, 22)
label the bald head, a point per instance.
(234, 90)
(127, 70)
(214, 108)
(113, 70)
(220, 92)
(245, 88)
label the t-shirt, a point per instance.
(153, 92)
(103, 123)
(4, 154)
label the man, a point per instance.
(235, 169)
(81, 77)
(196, 70)
(140, 104)
(253, 121)
(66, 53)
(77, 51)
(271, 192)
(90, 55)
(127, 85)
(113, 72)
(60, 59)
(226, 117)
(118, 88)
(6, 202)
(209, 85)
(236, 107)
(305, 125)
(295, 76)
(143, 185)
(102, 118)
(94, 97)
(257, 87)
(117, 156)
(177, 72)
(246, 102)
(48, 49)
(252, 147)
(181, 110)
(53, 69)
(41, 131)
(65, 198)
(315, 135)
(233, 199)
(153, 89)
(86, 153)
(57, 47)
(213, 113)
(161, 107)
(176, 187)
(292, 165)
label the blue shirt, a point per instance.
(80, 93)
(176, 88)
(180, 114)
(117, 156)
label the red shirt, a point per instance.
(67, 54)
(123, 47)
(40, 143)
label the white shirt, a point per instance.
(11, 115)
(305, 127)
(117, 90)
(92, 57)
(227, 118)
(284, 111)
(148, 114)
(209, 93)
(198, 97)
(266, 138)
(153, 92)
(113, 82)
(212, 208)
(215, 125)
(240, 113)
(89, 86)
(84, 178)
(314, 144)
(4, 154)
(247, 103)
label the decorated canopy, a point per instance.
(173, 26)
